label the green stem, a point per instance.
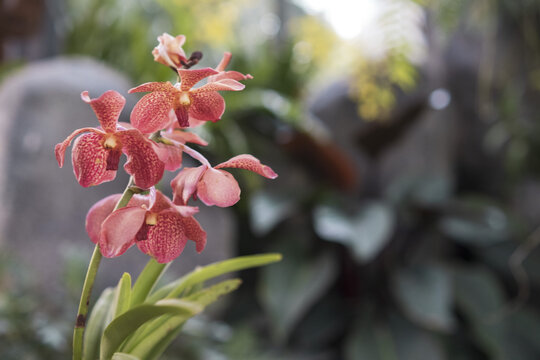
(91, 273)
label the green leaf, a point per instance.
(124, 356)
(122, 296)
(371, 341)
(425, 294)
(267, 210)
(207, 272)
(156, 338)
(366, 233)
(288, 291)
(393, 338)
(96, 324)
(124, 325)
(146, 281)
(477, 221)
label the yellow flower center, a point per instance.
(110, 142)
(184, 98)
(151, 219)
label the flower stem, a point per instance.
(91, 273)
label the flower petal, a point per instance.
(220, 85)
(154, 86)
(249, 162)
(161, 203)
(218, 187)
(182, 115)
(169, 51)
(89, 159)
(143, 163)
(224, 62)
(170, 155)
(98, 213)
(166, 240)
(184, 137)
(60, 149)
(208, 106)
(234, 75)
(190, 77)
(107, 108)
(195, 232)
(151, 113)
(185, 184)
(119, 229)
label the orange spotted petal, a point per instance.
(60, 149)
(190, 77)
(195, 232)
(107, 108)
(249, 162)
(143, 162)
(207, 106)
(151, 113)
(166, 239)
(89, 159)
(154, 86)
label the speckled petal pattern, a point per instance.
(154, 86)
(166, 239)
(151, 113)
(207, 106)
(60, 149)
(107, 108)
(143, 163)
(89, 159)
(195, 232)
(249, 162)
(190, 77)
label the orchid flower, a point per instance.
(153, 111)
(169, 52)
(95, 156)
(214, 186)
(160, 228)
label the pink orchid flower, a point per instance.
(214, 186)
(169, 52)
(95, 156)
(153, 111)
(158, 227)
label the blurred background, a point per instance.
(406, 136)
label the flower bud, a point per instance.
(169, 52)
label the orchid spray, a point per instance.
(139, 321)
